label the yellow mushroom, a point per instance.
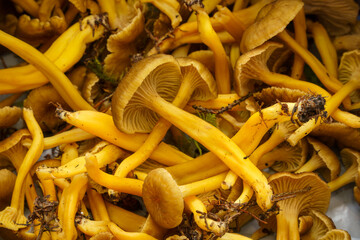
(151, 88)
(11, 216)
(323, 158)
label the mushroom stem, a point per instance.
(76, 192)
(106, 155)
(301, 38)
(197, 207)
(289, 227)
(66, 50)
(213, 139)
(58, 79)
(325, 47)
(312, 164)
(97, 205)
(92, 227)
(12, 216)
(211, 39)
(125, 185)
(102, 125)
(122, 235)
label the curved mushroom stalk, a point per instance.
(196, 206)
(314, 194)
(105, 152)
(164, 198)
(197, 83)
(323, 158)
(11, 216)
(145, 87)
(351, 160)
(66, 50)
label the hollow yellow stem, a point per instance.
(197, 207)
(325, 47)
(97, 205)
(125, 185)
(301, 37)
(211, 39)
(92, 227)
(106, 155)
(69, 152)
(122, 235)
(12, 215)
(58, 79)
(76, 191)
(102, 125)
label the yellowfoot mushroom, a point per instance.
(336, 234)
(324, 159)
(321, 224)
(164, 199)
(315, 195)
(142, 88)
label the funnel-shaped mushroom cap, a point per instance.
(336, 234)
(285, 157)
(271, 20)
(159, 74)
(203, 82)
(316, 195)
(321, 225)
(323, 159)
(206, 57)
(337, 16)
(349, 69)
(42, 101)
(250, 64)
(163, 198)
(9, 116)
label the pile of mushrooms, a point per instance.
(194, 119)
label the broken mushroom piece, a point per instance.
(144, 87)
(309, 192)
(321, 224)
(324, 159)
(164, 199)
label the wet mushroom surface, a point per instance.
(206, 119)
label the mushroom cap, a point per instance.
(336, 234)
(206, 57)
(337, 16)
(305, 224)
(321, 225)
(160, 73)
(90, 89)
(271, 95)
(317, 197)
(9, 116)
(332, 169)
(250, 64)
(350, 157)
(345, 136)
(42, 101)
(203, 81)
(14, 139)
(271, 20)
(163, 198)
(349, 69)
(285, 157)
(7, 183)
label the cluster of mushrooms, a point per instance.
(166, 119)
